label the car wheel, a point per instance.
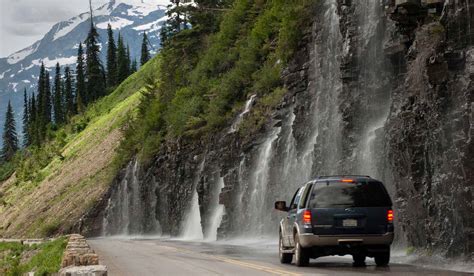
(382, 259)
(359, 259)
(285, 258)
(301, 254)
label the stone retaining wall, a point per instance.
(80, 259)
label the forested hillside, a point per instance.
(55, 184)
(234, 49)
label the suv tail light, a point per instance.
(307, 217)
(390, 216)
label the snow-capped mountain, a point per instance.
(130, 17)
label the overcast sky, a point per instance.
(23, 22)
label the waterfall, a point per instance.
(191, 229)
(238, 120)
(369, 149)
(128, 211)
(327, 118)
(309, 137)
(323, 119)
(217, 212)
(283, 161)
(257, 206)
(373, 85)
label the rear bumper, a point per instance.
(310, 240)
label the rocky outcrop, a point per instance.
(429, 134)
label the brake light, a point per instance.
(390, 216)
(347, 180)
(307, 217)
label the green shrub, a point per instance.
(6, 170)
(49, 229)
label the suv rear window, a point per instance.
(341, 195)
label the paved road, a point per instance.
(139, 257)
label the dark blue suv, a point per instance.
(337, 215)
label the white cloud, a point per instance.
(23, 22)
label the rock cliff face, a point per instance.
(374, 89)
(429, 132)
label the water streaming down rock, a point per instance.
(310, 144)
(286, 156)
(192, 228)
(240, 117)
(258, 186)
(327, 155)
(373, 88)
(305, 142)
(130, 208)
(217, 212)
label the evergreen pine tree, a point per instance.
(46, 101)
(41, 88)
(26, 119)
(129, 61)
(178, 17)
(33, 122)
(43, 117)
(69, 105)
(111, 59)
(94, 73)
(58, 97)
(10, 138)
(145, 54)
(122, 67)
(80, 81)
(203, 15)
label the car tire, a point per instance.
(285, 258)
(382, 259)
(359, 259)
(301, 254)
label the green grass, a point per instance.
(46, 260)
(10, 254)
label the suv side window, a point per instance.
(296, 199)
(304, 197)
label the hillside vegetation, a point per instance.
(208, 73)
(54, 185)
(195, 87)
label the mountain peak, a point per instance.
(132, 17)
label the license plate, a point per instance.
(349, 223)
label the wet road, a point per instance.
(136, 257)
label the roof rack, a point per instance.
(342, 175)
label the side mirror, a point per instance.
(281, 206)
